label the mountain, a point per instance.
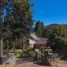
(53, 25)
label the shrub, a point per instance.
(29, 52)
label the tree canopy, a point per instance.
(18, 20)
(39, 27)
(57, 36)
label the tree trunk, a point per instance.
(1, 39)
(23, 43)
(1, 42)
(1, 47)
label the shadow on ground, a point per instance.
(42, 64)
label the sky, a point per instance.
(50, 11)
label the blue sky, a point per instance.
(50, 11)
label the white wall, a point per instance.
(32, 42)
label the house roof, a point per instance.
(32, 35)
(38, 39)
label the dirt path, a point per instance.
(26, 63)
(30, 64)
(22, 62)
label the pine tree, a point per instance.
(39, 27)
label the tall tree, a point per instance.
(23, 18)
(2, 4)
(19, 22)
(39, 27)
(8, 28)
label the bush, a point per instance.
(29, 52)
(17, 53)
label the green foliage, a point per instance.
(18, 20)
(8, 45)
(57, 36)
(28, 53)
(18, 53)
(39, 28)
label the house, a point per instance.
(37, 42)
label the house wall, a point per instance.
(38, 46)
(31, 43)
